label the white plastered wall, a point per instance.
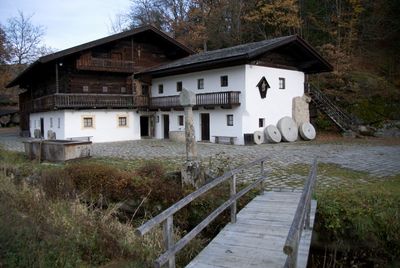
(57, 118)
(278, 102)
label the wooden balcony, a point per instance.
(78, 101)
(109, 65)
(119, 101)
(225, 99)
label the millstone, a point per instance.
(307, 131)
(272, 134)
(258, 137)
(288, 129)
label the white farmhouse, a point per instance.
(126, 87)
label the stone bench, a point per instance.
(225, 139)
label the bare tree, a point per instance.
(4, 53)
(23, 39)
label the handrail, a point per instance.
(301, 219)
(166, 217)
(342, 119)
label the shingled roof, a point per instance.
(98, 42)
(240, 53)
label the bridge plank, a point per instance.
(258, 236)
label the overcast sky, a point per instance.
(69, 22)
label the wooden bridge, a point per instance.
(273, 230)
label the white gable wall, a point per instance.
(278, 102)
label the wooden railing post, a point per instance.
(234, 204)
(168, 233)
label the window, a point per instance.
(200, 83)
(179, 86)
(180, 120)
(58, 122)
(229, 120)
(87, 122)
(105, 89)
(261, 122)
(85, 88)
(35, 123)
(51, 121)
(224, 81)
(122, 122)
(281, 83)
(160, 89)
(145, 90)
(123, 89)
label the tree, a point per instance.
(4, 53)
(275, 18)
(24, 40)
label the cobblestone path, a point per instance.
(375, 160)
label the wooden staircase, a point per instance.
(342, 119)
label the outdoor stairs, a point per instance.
(343, 120)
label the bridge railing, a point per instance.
(166, 217)
(301, 219)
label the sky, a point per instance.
(67, 23)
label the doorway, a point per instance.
(166, 126)
(42, 127)
(205, 127)
(144, 126)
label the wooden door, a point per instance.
(42, 127)
(144, 126)
(205, 127)
(166, 126)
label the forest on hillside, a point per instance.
(360, 38)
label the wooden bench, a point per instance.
(225, 139)
(83, 138)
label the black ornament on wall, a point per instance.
(263, 86)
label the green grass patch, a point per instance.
(362, 221)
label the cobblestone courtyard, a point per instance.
(288, 162)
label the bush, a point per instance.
(366, 218)
(98, 182)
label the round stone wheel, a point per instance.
(288, 129)
(258, 137)
(307, 131)
(272, 134)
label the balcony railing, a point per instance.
(64, 101)
(92, 101)
(99, 64)
(227, 98)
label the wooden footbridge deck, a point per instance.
(273, 230)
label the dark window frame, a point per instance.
(160, 89)
(200, 83)
(122, 121)
(229, 120)
(179, 86)
(88, 122)
(181, 120)
(224, 80)
(282, 83)
(261, 122)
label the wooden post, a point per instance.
(234, 204)
(262, 184)
(168, 233)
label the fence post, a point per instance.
(168, 233)
(262, 184)
(232, 193)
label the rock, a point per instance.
(288, 129)
(272, 134)
(307, 131)
(258, 137)
(366, 130)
